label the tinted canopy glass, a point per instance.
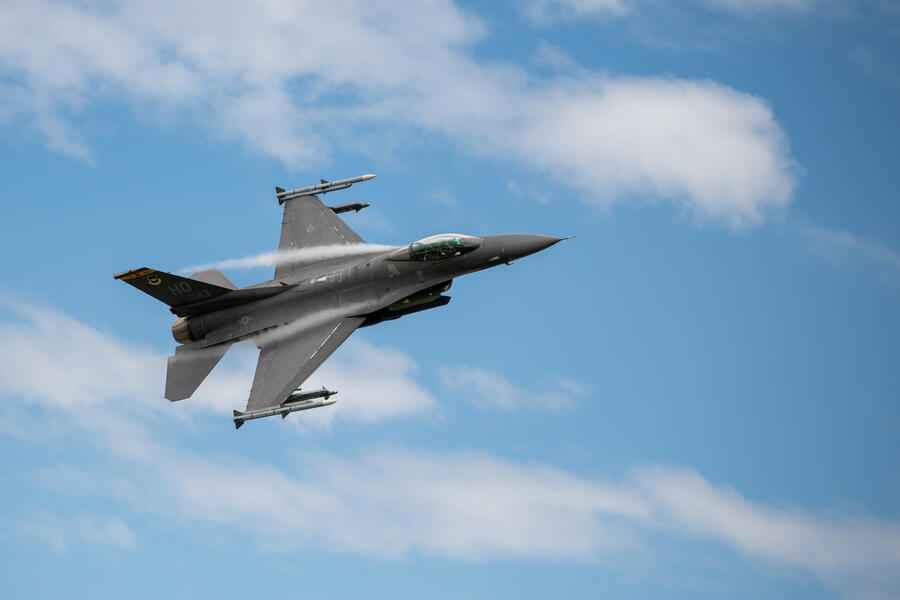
(447, 245)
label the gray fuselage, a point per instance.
(379, 286)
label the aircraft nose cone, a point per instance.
(517, 245)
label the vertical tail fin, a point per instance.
(174, 290)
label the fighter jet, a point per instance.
(309, 308)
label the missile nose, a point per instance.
(517, 245)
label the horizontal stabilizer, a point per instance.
(174, 290)
(189, 366)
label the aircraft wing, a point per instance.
(308, 222)
(286, 362)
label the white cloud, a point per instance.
(273, 77)
(757, 6)
(393, 502)
(46, 356)
(52, 360)
(859, 555)
(875, 64)
(553, 58)
(715, 152)
(822, 544)
(845, 249)
(492, 390)
(549, 11)
(545, 11)
(61, 532)
(375, 383)
(397, 502)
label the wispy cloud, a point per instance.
(48, 356)
(851, 552)
(716, 153)
(716, 26)
(843, 249)
(876, 65)
(487, 389)
(376, 383)
(56, 362)
(767, 6)
(553, 58)
(394, 501)
(545, 11)
(60, 533)
(549, 11)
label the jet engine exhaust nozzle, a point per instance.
(181, 331)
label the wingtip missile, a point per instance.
(321, 188)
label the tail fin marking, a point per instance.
(173, 290)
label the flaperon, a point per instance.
(311, 307)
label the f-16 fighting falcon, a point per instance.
(311, 306)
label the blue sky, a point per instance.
(697, 397)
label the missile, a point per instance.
(240, 418)
(296, 401)
(322, 188)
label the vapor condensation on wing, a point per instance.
(299, 256)
(312, 320)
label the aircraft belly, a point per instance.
(361, 297)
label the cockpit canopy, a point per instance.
(438, 247)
